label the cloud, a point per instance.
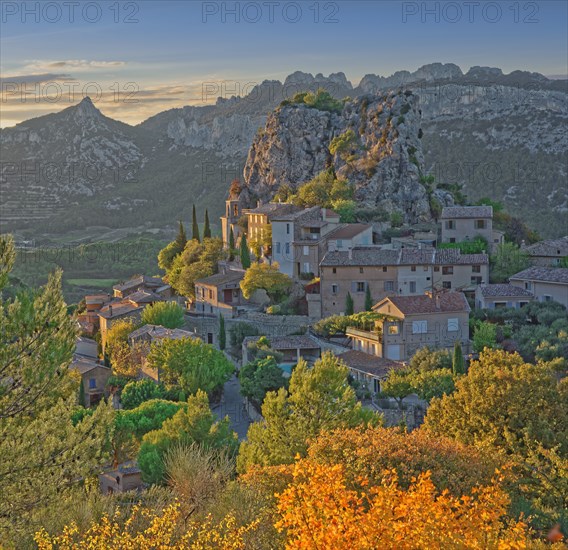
(75, 64)
(35, 78)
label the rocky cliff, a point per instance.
(384, 161)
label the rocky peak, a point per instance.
(384, 162)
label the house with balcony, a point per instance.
(436, 320)
(299, 240)
(545, 283)
(466, 223)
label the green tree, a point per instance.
(245, 252)
(192, 424)
(45, 454)
(82, 394)
(396, 219)
(511, 408)
(167, 255)
(397, 385)
(207, 226)
(259, 377)
(222, 333)
(507, 260)
(194, 226)
(166, 314)
(458, 364)
(181, 238)
(231, 245)
(138, 391)
(267, 277)
(324, 190)
(368, 299)
(117, 335)
(344, 145)
(484, 336)
(349, 308)
(319, 398)
(190, 364)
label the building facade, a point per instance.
(545, 283)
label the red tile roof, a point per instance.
(444, 302)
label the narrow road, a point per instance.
(232, 406)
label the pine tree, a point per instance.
(458, 366)
(349, 304)
(207, 227)
(245, 252)
(222, 333)
(368, 299)
(231, 245)
(181, 238)
(195, 227)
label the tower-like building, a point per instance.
(233, 211)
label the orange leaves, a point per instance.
(318, 510)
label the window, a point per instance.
(476, 269)
(436, 268)
(500, 304)
(393, 329)
(476, 280)
(453, 325)
(307, 267)
(287, 229)
(522, 304)
(306, 250)
(419, 327)
(210, 294)
(385, 269)
(389, 285)
(528, 285)
(480, 224)
(412, 286)
(447, 284)
(360, 286)
(360, 270)
(339, 243)
(547, 298)
(287, 248)
(92, 383)
(334, 270)
(448, 270)
(278, 248)
(413, 268)
(450, 224)
(334, 289)
(452, 239)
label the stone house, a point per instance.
(219, 294)
(370, 370)
(142, 282)
(545, 283)
(548, 253)
(114, 312)
(412, 322)
(94, 376)
(352, 271)
(298, 240)
(350, 235)
(127, 477)
(465, 223)
(495, 296)
(292, 348)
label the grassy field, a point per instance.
(93, 283)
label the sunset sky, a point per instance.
(158, 55)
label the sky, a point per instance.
(137, 58)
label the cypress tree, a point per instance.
(195, 227)
(82, 394)
(458, 366)
(222, 333)
(368, 299)
(349, 304)
(231, 245)
(207, 228)
(181, 238)
(245, 252)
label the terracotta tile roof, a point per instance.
(274, 209)
(361, 256)
(445, 302)
(553, 247)
(504, 290)
(349, 230)
(221, 278)
(83, 365)
(369, 364)
(545, 274)
(417, 256)
(465, 212)
(160, 332)
(143, 297)
(452, 256)
(97, 298)
(119, 309)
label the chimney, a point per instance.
(324, 214)
(350, 251)
(437, 298)
(110, 311)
